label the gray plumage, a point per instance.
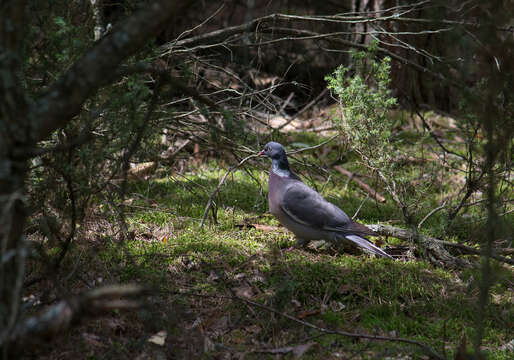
(305, 212)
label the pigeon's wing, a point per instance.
(304, 205)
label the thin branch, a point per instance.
(304, 109)
(434, 136)
(425, 347)
(360, 207)
(432, 212)
(222, 181)
(65, 98)
(60, 317)
(361, 183)
(312, 147)
(306, 35)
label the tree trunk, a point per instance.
(24, 122)
(13, 136)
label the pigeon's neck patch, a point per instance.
(280, 168)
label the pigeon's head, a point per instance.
(273, 150)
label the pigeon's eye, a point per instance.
(268, 148)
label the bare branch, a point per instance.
(425, 347)
(432, 212)
(361, 183)
(222, 181)
(61, 316)
(65, 98)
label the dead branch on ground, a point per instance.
(61, 316)
(457, 248)
(323, 330)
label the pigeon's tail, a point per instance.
(368, 245)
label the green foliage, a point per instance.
(365, 100)
(369, 128)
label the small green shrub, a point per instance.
(369, 128)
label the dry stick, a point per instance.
(361, 183)
(260, 25)
(343, 333)
(222, 181)
(285, 103)
(320, 329)
(305, 108)
(313, 147)
(61, 316)
(310, 35)
(432, 212)
(360, 207)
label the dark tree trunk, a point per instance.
(14, 122)
(24, 122)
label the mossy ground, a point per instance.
(194, 274)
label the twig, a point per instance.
(261, 25)
(436, 138)
(426, 348)
(430, 214)
(360, 207)
(304, 109)
(285, 103)
(361, 183)
(312, 147)
(59, 317)
(222, 181)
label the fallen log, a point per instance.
(410, 236)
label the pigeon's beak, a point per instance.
(260, 153)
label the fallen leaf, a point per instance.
(296, 303)
(243, 291)
(301, 349)
(239, 276)
(304, 314)
(159, 338)
(254, 329)
(337, 306)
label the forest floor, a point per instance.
(231, 291)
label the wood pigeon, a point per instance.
(305, 212)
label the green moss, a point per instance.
(353, 293)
